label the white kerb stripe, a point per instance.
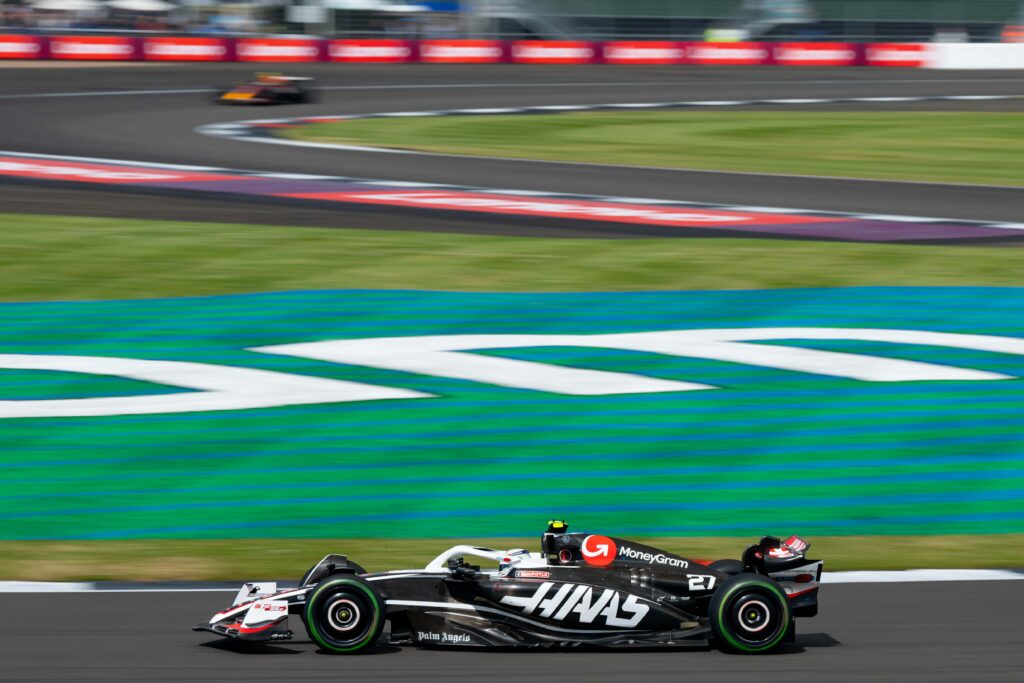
(922, 576)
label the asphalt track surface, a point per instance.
(150, 112)
(886, 632)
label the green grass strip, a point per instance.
(960, 147)
(72, 258)
(167, 560)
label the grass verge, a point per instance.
(69, 258)
(960, 147)
(228, 560)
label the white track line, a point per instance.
(922, 576)
(858, 577)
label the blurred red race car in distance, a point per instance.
(268, 88)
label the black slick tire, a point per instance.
(344, 615)
(750, 614)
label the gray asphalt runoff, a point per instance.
(957, 631)
(150, 112)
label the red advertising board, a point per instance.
(740, 54)
(277, 50)
(185, 49)
(370, 51)
(897, 54)
(553, 52)
(20, 47)
(815, 54)
(92, 47)
(645, 52)
(462, 51)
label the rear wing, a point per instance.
(770, 553)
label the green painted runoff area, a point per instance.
(767, 451)
(932, 470)
(961, 147)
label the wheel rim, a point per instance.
(753, 616)
(343, 615)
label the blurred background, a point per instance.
(859, 20)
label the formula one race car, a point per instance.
(581, 589)
(268, 88)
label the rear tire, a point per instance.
(344, 615)
(750, 614)
(306, 95)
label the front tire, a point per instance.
(216, 94)
(750, 614)
(344, 615)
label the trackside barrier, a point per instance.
(373, 51)
(185, 49)
(310, 49)
(105, 48)
(280, 50)
(23, 47)
(912, 55)
(643, 52)
(463, 51)
(554, 52)
(817, 54)
(734, 54)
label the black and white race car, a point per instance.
(581, 589)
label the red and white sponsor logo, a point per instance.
(20, 47)
(532, 574)
(271, 606)
(461, 51)
(728, 53)
(679, 216)
(599, 551)
(552, 52)
(815, 54)
(369, 51)
(644, 53)
(96, 173)
(92, 47)
(897, 54)
(277, 50)
(185, 49)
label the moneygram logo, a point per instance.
(652, 558)
(598, 550)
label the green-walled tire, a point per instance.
(750, 614)
(344, 615)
